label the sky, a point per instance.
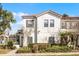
(19, 9)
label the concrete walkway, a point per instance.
(47, 54)
(12, 53)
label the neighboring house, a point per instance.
(12, 37)
(46, 26)
(3, 38)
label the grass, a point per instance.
(4, 51)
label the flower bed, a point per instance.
(59, 49)
(23, 50)
(43, 48)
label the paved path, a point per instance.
(46, 54)
(12, 53)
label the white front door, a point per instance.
(29, 40)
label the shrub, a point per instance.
(14, 47)
(39, 47)
(24, 50)
(10, 44)
(58, 49)
(2, 46)
(30, 46)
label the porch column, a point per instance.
(78, 41)
(20, 37)
(4, 40)
(35, 30)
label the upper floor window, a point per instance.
(29, 23)
(63, 25)
(74, 25)
(51, 23)
(69, 25)
(46, 23)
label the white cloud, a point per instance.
(18, 23)
(19, 14)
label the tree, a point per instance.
(65, 15)
(6, 18)
(69, 36)
(74, 40)
(66, 38)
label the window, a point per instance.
(51, 23)
(46, 23)
(68, 25)
(74, 25)
(29, 23)
(51, 40)
(63, 25)
(29, 40)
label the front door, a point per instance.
(51, 40)
(29, 40)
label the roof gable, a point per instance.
(49, 12)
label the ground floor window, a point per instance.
(29, 40)
(51, 40)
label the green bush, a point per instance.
(59, 49)
(14, 47)
(10, 44)
(39, 47)
(24, 50)
(44, 48)
(3, 46)
(30, 46)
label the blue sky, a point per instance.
(19, 9)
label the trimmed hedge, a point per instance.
(42, 48)
(59, 49)
(24, 50)
(39, 47)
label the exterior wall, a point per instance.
(27, 32)
(43, 33)
(73, 29)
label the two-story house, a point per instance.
(46, 26)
